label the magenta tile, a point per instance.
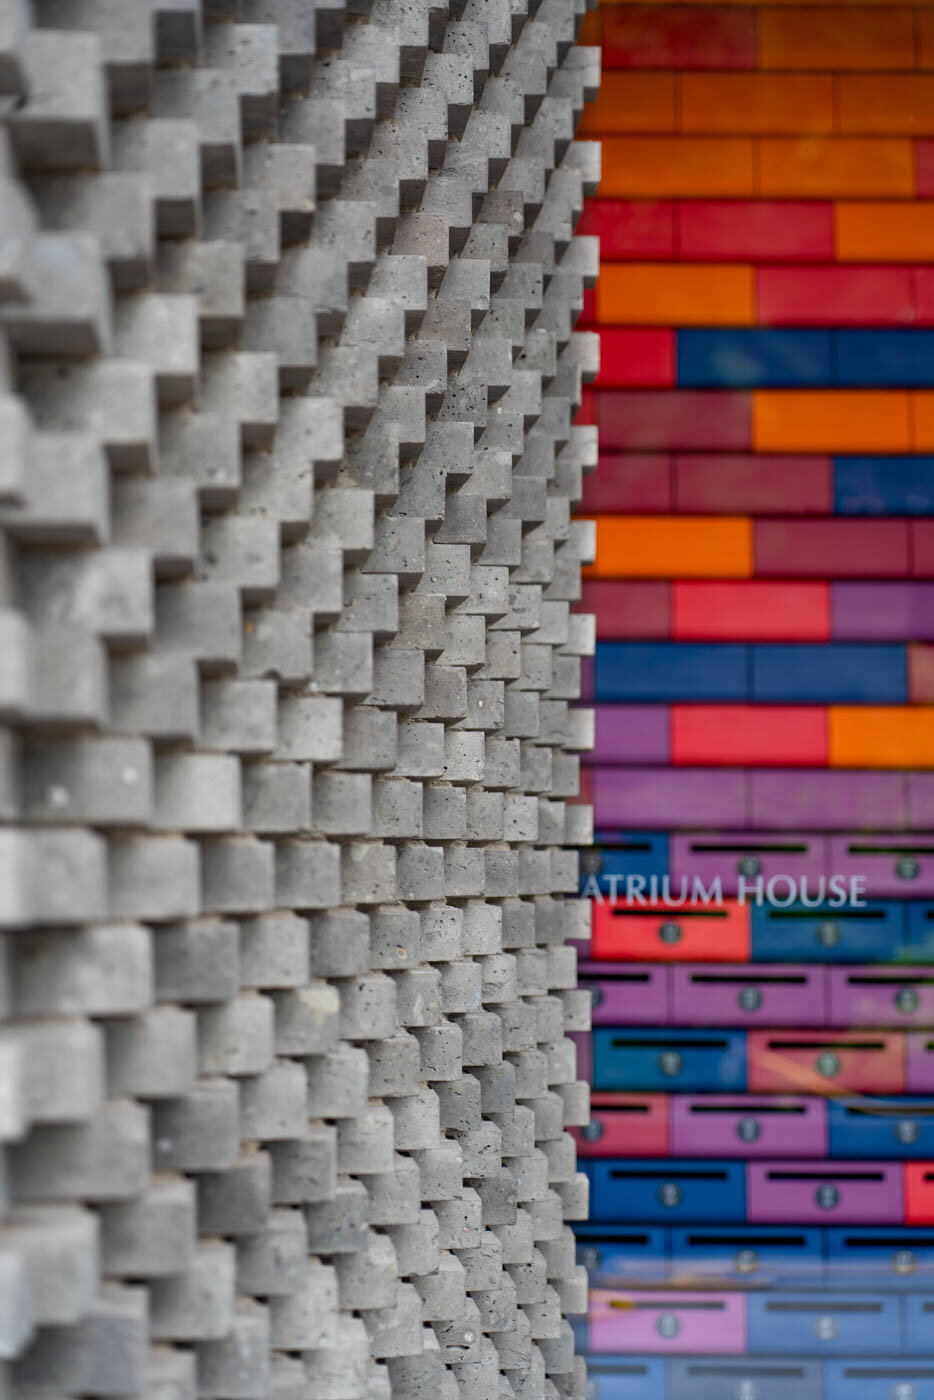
(743, 994)
(920, 801)
(920, 1061)
(900, 868)
(647, 799)
(667, 420)
(733, 1125)
(584, 1043)
(827, 800)
(871, 612)
(731, 854)
(881, 996)
(825, 1193)
(630, 734)
(632, 995)
(667, 1322)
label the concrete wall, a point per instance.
(287, 382)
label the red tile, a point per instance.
(924, 293)
(833, 548)
(922, 548)
(643, 358)
(921, 674)
(835, 296)
(737, 611)
(629, 228)
(753, 735)
(668, 420)
(753, 485)
(588, 315)
(587, 413)
(627, 484)
(762, 231)
(625, 610)
(661, 36)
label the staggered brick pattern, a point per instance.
(287, 866)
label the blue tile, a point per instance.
(875, 933)
(752, 359)
(626, 1378)
(883, 485)
(832, 673)
(670, 671)
(828, 1324)
(623, 853)
(879, 1378)
(881, 1257)
(659, 1191)
(893, 1128)
(877, 358)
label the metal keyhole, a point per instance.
(828, 934)
(670, 933)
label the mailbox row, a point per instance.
(878, 931)
(783, 994)
(873, 1257)
(649, 1059)
(751, 1126)
(700, 1190)
(675, 1322)
(646, 1377)
(891, 866)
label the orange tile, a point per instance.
(882, 736)
(922, 420)
(921, 673)
(837, 37)
(729, 103)
(817, 420)
(885, 104)
(926, 38)
(631, 102)
(817, 166)
(589, 33)
(884, 232)
(650, 166)
(639, 546)
(758, 4)
(681, 294)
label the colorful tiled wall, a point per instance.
(762, 1146)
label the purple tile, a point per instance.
(729, 854)
(869, 612)
(827, 800)
(630, 734)
(646, 799)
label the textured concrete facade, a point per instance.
(287, 672)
